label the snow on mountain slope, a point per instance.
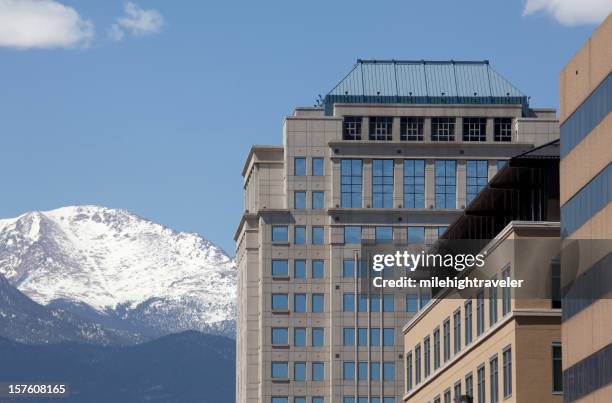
(113, 264)
(25, 321)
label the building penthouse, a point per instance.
(395, 152)
(586, 217)
(498, 344)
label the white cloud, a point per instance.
(571, 12)
(28, 24)
(136, 21)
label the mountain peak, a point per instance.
(111, 260)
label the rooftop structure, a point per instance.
(424, 82)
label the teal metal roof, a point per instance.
(424, 82)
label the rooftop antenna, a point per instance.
(319, 101)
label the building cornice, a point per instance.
(512, 226)
(252, 151)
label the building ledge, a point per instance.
(501, 236)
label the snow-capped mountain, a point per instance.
(25, 321)
(120, 270)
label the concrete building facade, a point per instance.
(586, 193)
(395, 152)
(498, 344)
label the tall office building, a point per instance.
(586, 215)
(394, 153)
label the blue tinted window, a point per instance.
(445, 184)
(362, 336)
(280, 268)
(348, 399)
(317, 400)
(300, 399)
(414, 183)
(389, 371)
(318, 269)
(280, 233)
(425, 297)
(349, 303)
(300, 200)
(416, 235)
(317, 235)
(351, 183)
(318, 336)
(280, 370)
(317, 303)
(384, 234)
(348, 336)
(362, 371)
(374, 336)
(388, 400)
(348, 371)
(382, 183)
(317, 167)
(412, 303)
(299, 268)
(363, 303)
(318, 200)
(388, 336)
(299, 371)
(492, 305)
(348, 268)
(441, 230)
(480, 313)
(299, 337)
(280, 301)
(374, 303)
(594, 196)
(476, 178)
(280, 335)
(352, 235)
(318, 371)
(388, 303)
(501, 164)
(280, 400)
(300, 166)
(375, 371)
(299, 235)
(299, 303)
(588, 115)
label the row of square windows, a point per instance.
(346, 399)
(411, 128)
(351, 336)
(280, 370)
(280, 302)
(351, 234)
(383, 180)
(280, 268)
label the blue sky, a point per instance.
(153, 108)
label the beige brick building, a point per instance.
(586, 193)
(395, 152)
